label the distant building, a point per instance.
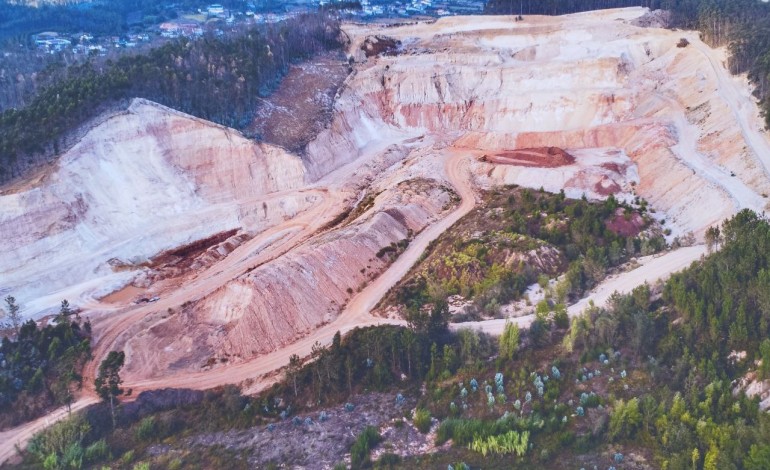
(216, 11)
(51, 42)
(176, 29)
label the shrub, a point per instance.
(145, 431)
(127, 457)
(60, 445)
(511, 442)
(97, 451)
(359, 451)
(388, 460)
(422, 420)
(625, 420)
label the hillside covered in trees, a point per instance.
(517, 237)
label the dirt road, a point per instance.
(356, 313)
(263, 248)
(650, 270)
(741, 102)
(20, 435)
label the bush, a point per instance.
(422, 420)
(145, 431)
(511, 442)
(97, 451)
(388, 460)
(359, 451)
(60, 445)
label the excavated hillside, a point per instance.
(146, 180)
(633, 108)
(588, 103)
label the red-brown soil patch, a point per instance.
(191, 250)
(376, 45)
(542, 157)
(627, 225)
(613, 167)
(606, 186)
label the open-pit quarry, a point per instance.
(210, 258)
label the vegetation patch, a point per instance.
(40, 367)
(516, 236)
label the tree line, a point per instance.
(40, 367)
(216, 78)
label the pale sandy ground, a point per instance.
(709, 189)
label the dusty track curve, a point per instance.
(20, 436)
(279, 239)
(650, 270)
(356, 313)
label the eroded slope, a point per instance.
(144, 181)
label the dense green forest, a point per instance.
(219, 79)
(651, 376)
(40, 367)
(475, 257)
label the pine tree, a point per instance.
(13, 313)
(108, 381)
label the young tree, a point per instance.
(408, 339)
(108, 381)
(295, 364)
(713, 238)
(13, 313)
(349, 369)
(764, 354)
(64, 312)
(509, 340)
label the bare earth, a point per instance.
(397, 160)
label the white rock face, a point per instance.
(643, 116)
(639, 115)
(144, 181)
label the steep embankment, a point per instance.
(642, 115)
(144, 181)
(271, 306)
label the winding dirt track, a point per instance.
(650, 270)
(282, 238)
(290, 234)
(356, 313)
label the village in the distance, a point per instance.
(219, 20)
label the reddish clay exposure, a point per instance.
(607, 186)
(543, 157)
(626, 225)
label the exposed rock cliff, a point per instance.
(144, 181)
